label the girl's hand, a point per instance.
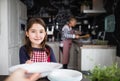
(29, 62)
(20, 75)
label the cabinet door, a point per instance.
(74, 53)
(0, 19)
(55, 47)
(13, 56)
(13, 32)
(93, 57)
(22, 9)
(13, 28)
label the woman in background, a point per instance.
(35, 48)
(67, 36)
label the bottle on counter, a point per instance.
(53, 38)
(57, 25)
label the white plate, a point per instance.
(42, 67)
(65, 75)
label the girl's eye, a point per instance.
(33, 31)
(41, 31)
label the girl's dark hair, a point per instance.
(27, 40)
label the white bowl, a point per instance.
(65, 75)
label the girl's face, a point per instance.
(36, 34)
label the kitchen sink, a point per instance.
(99, 42)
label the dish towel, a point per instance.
(110, 23)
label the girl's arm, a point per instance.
(52, 56)
(23, 57)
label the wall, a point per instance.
(4, 37)
(117, 26)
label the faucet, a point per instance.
(101, 34)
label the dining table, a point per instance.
(3, 77)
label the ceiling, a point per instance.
(63, 9)
(52, 6)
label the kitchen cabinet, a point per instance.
(84, 58)
(74, 56)
(9, 34)
(22, 15)
(92, 55)
(22, 11)
(16, 8)
(0, 19)
(55, 47)
(3, 37)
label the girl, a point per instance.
(35, 49)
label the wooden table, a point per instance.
(3, 77)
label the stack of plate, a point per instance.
(51, 70)
(65, 75)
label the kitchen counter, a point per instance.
(88, 44)
(98, 46)
(91, 43)
(85, 57)
(92, 55)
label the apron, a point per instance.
(66, 50)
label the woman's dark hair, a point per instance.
(27, 40)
